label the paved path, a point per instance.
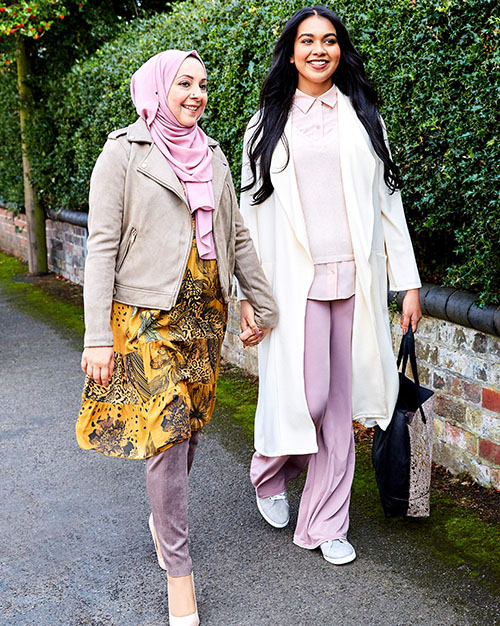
(76, 550)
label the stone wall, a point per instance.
(66, 249)
(232, 349)
(460, 364)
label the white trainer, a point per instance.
(275, 509)
(338, 551)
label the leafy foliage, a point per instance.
(11, 179)
(436, 66)
(27, 19)
(79, 34)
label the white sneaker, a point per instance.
(275, 509)
(338, 551)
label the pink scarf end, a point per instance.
(204, 236)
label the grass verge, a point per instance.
(48, 298)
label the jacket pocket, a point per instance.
(128, 246)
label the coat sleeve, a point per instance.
(252, 282)
(104, 224)
(401, 263)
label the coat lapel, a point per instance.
(358, 167)
(285, 186)
(355, 156)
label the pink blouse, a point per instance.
(315, 149)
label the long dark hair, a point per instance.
(279, 88)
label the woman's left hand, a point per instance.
(412, 312)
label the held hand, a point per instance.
(251, 334)
(98, 363)
(411, 310)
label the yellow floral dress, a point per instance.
(166, 368)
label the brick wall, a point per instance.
(460, 364)
(13, 235)
(65, 244)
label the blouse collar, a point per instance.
(304, 102)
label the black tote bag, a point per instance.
(398, 451)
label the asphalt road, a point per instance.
(75, 545)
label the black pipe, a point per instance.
(78, 218)
(452, 305)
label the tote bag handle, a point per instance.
(407, 351)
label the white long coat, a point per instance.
(382, 247)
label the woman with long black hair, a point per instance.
(321, 198)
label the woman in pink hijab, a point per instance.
(165, 239)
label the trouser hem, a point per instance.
(180, 572)
(317, 544)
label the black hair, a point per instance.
(279, 88)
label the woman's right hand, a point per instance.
(251, 334)
(98, 363)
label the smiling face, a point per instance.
(187, 97)
(316, 55)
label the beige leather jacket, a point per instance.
(140, 234)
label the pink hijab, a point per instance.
(185, 147)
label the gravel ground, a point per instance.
(76, 549)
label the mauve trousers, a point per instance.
(324, 506)
(167, 485)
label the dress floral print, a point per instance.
(165, 372)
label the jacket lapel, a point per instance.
(156, 166)
(285, 187)
(220, 170)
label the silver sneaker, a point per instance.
(338, 551)
(275, 509)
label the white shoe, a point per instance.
(275, 509)
(338, 551)
(187, 620)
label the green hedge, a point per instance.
(11, 173)
(435, 63)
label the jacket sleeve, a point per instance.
(104, 224)
(401, 264)
(252, 282)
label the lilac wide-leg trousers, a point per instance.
(167, 485)
(324, 506)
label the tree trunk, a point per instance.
(35, 217)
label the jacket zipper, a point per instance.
(131, 239)
(186, 256)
